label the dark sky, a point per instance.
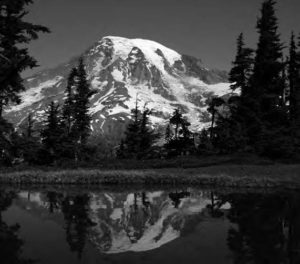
(206, 29)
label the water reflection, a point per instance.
(267, 228)
(262, 227)
(10, 243)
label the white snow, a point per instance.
(226, 206)
(116, 214)
(118, 75)
(118, 109)
(34, 94)
(219, 89)
(97, 84)
(30, 79)
(123, 47)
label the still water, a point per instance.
(171, 225)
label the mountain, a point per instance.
(122, 70)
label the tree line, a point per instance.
(264, 117)
(66, 130)
(261, 115)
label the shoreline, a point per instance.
(233, 176)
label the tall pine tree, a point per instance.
(294, 80)
(132, 140)
(139, 136)
(15, 33)
(267, 125)
(146, 134)
(29, 144)
(68, 106)
(266, 83)
(213, 109)
(51, 134)
(295, 91)
(176, 120)
(81, 127)
(68, 138)
(242, 67)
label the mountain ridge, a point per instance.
(121, 70)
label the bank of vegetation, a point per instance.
(245, 176)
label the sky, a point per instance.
(206, 29)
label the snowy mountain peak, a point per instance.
(154, 52)
(121, 70)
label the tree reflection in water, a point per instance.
(77, 221)
(10, 244)
(266, 228)
(75, 209)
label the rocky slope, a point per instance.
(122, 70)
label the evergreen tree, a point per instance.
(121, 150)
(294, 82)
(51, 133)
(296, 95)
(230, 133)
(68, 138)
(29, 128)
(204, 142)
(176, 120)
(266, 115)
(293, 68)
(139, 136)
(147, 136)
(266, 83)
(242, 67)
(81, 127)
(213, 109)
(185, 132)
(68, 106)
(180, 141)
(285, 84)
(15, 33)
(132, 140)
(168, 133)
(6, 130)
(29, 144)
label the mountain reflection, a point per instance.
(140, 221)
(262, 227)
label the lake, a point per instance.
(148, 225)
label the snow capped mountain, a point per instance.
(122, 70)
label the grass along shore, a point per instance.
(246, 176)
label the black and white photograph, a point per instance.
(150, 131)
